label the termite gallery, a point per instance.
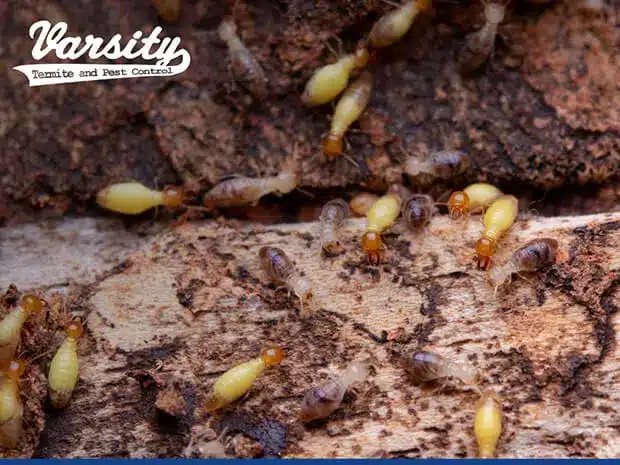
(444, 164)
(392, 26)
(323, 400)
(533, 256)
(474, 197)
(333, 215)
(239, 379)
(133, 198)
(11, 405)
(64, 369)
(498, 219)
(488, 424)
(11, 325)
(424, 367)
(380, 217)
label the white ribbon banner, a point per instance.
(49, 73)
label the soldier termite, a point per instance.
(392, 26)
(479, 45)
(65, 370)
(533, 256)
(445, 164)
(11, 325)
(349, 108)
(245, 69)
(380, 217)
(321, 401)
(168, 10)
(133, 198)
(488, 424)
(333, 215)
(473, 197)
(361, 203)
(239, 379)
(424, 367)
(498, 219)
(279, 268)
(417, 211)
(330, 80)
(11, 405)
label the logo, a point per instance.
(170, 58)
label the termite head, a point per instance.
(31, 304)
(75, 329)
(14, 369)
(485, 248)
(173, 196)
(458, 204)
(227, 29)
(372, 245)
(272, 356)
(302, 289)
(332, 145)
(494, 12)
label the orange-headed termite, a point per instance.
(246, 70)
(133, 198)
(279, 268)
(533, 256)
(11, 325)
(333, 215)
(392, 26)
(380, 217)
(330, 80)
(321, 401)
(361, 203)
(64, 369)
(424, 366)
(11, 405)
(498, 219)
(488, 424)
(473, 197)
(349, 108)
(239, 379)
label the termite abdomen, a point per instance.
(417, 211)
(333, 216)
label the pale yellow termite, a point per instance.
(239, 379)
(349, 108)
(11, 405)
(498, 219)
(380, 217)
(65, 369)
(488, 424)
(473, 197)
(11, 325)
(168, 10)
(392, 26)
(330, 80)
(133, 198)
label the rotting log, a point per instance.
(175, 315)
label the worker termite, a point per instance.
(424, 367)
(330, 80)
(11, 325)
(168, 10)
(245, 69)
(479, 45)
(333, 215)
(279, 268)
(349, 108)
(392, 26)
(380, 217)
(11, 405)
(133, 198)
(488, 424)
(473, 197)
(498, 219)
(361, 203)
(445, 164)
(65, 370)
(321, 401)
(533, 256)
(417, 211)
(239, 379)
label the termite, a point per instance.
(361, 203)
(329, 81)
(133, 198)
(533, 256)
(11, 405)
(11, 325)
(424, 367)
(479, 45)
(279, 268)
(417, 211)
(333, 215)
(380, 217)
(321, 401)
(65, 370)
(246, 70)
(240, 191)
(349, 108)
(239, 379)
(392, 26)
(445, 164)
(473, 197)
(168, 10)
(488, 424)
(498, 219)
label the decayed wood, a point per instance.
(195, 302)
